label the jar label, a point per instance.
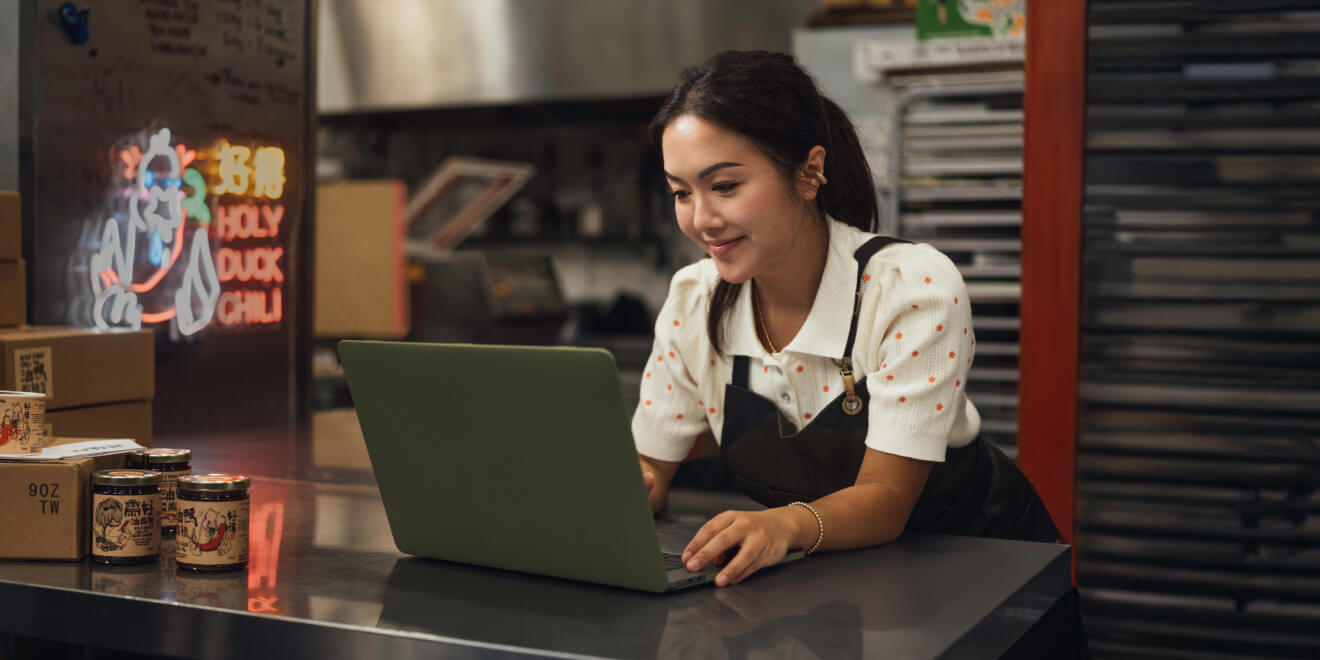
(169, 504)
(125, 525)
(212, 533)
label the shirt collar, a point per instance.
(825, 331)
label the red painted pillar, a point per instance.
(1053, 152)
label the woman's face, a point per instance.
(730, 198)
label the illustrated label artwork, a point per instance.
(32, 370)
(213, 533)
(169, 502)
(21, 425)
(125, 525)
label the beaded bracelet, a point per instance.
(820, 524)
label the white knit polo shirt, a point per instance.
(914, 347)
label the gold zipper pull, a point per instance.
(852, 404)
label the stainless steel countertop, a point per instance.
(326, 581)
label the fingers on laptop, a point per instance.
(733, 533)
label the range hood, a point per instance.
(380, 55)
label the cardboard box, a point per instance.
(79, 367)
(13, 293)
(11, 223)
(46, 512)
(115, 420)
(361, 288)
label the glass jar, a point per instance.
(213, 522)
(125, 516)
(171, 464)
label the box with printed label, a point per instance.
(47, 504)
(113, 420)
(78, 367)
(11, 222)
(13, 293)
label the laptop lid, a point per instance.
(512, 457)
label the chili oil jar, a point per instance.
(171, 464)
(125, 516)
(213, 522)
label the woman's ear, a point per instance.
(811, 176)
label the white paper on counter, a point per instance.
(96, 447)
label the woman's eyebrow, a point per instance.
(706, 172)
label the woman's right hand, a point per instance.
(657, 474)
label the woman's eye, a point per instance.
(724, 187)
(678, 195)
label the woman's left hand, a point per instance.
(762, 538)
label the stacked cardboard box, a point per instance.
(47, 505)
(98, 383)
(13, 286)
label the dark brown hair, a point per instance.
(767, 98)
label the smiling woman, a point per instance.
(828, 363)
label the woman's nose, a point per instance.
(704, 218)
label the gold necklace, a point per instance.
(760, 317)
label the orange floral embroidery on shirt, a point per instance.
(806, 415)
(826, 388)
(898, 336)
(914, 354)
(952, 354)
(675, 324)
(889, 377)
(956, 383)
(866, 277)
(799, 369)
(712, 411)
(932, 379)
(939, 406)
(939, 328)
(671, 354)
(671, 387)
(927, 280)
(902, 399)
(679, 416)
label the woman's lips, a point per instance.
(721, 248)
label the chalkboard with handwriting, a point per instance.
(166, 187)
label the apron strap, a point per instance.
(740, 366)
(863, 255)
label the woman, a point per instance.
(830, 364)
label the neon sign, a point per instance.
(168, 210)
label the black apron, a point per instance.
(976, 491)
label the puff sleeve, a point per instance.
(917, 354)
(669, 414)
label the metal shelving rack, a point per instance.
(1199, 442)
(954, 179)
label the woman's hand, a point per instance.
(762, 539)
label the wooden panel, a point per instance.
(1051, 252)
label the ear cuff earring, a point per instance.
(820, 176)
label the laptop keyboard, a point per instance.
(673, 560)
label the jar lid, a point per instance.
(126, 478)
(169, 456)
(213, 483)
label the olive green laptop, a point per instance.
(512, 457)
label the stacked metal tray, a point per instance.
(1199, 446)
(955, 171)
